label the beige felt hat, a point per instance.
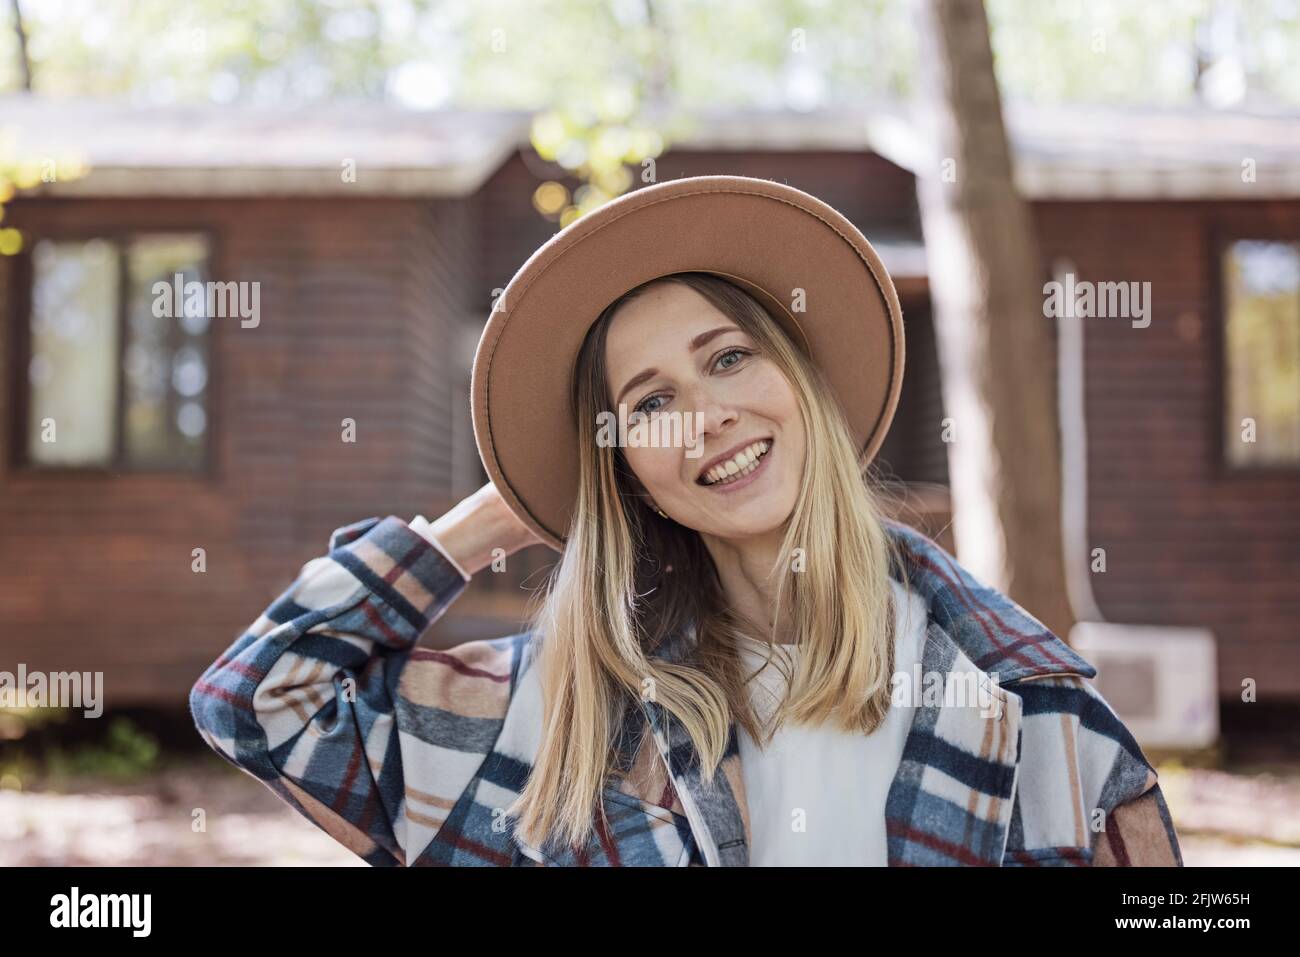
(768, 238)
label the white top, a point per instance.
(817, 795)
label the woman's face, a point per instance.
(706, 370)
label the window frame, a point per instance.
(1221, 238)
(20, 345)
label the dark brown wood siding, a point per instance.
(358, 304)
(1187, 541)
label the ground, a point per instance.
(100, 821)
(1233, 819)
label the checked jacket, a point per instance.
(408, 755)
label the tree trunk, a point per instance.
(995, 354)
(20, 41)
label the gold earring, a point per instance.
(661, 511)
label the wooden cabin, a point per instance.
(377, 238)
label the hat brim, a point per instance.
(770, 238)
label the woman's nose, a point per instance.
(711, 412)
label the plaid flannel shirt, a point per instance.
(409, 755)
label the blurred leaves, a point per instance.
(1117, 51)
(156, 51)
(121, 752)
(611, 55)
(20, 170)
(608, 78)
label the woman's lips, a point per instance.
(749, 479)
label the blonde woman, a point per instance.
(738, 658)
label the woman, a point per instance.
(738, 660)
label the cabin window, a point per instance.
(1261, 282)
(116, 378)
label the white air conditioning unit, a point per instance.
(1161, 681)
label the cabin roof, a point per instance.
(1061, 153)
(192, 150)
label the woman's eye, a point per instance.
(739, 353)
(641, 406)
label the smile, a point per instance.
(739, 468)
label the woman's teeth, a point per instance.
(738, 466)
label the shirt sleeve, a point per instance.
(315, 698)
(1085, 783)
(1140, 834)
(423, 528)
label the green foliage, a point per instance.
(609, 79)
(123, 753)
(261, 50)
(1117, 51)
(533, 54)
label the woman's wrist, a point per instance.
(472, 531)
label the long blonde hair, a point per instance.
(629, 579)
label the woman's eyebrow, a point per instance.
(699, 342)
